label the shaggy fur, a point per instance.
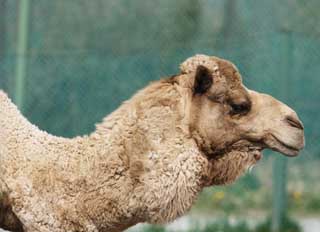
(146, 162)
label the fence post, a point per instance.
(279, 206)
(279, 193)
(22, 42)
(3, 31)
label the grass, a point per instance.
(288, 226)
(224, 225)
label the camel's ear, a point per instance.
(203, 80)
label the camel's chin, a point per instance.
(228, 167)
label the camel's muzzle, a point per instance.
(291, 142)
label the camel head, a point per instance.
(232, 124)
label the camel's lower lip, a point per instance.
(285, 149)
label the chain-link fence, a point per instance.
(83, 58)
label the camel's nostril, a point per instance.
(294, 122)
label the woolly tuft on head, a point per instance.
(190, 65)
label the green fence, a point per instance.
(69, 63)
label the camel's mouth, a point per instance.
(278, 145)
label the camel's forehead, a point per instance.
(215, 64)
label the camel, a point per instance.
(145, 162)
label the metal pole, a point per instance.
(3, 34)
(279, 193)
(22, 43)
(279, 210)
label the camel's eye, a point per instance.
(241, 108)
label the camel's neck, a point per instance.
(161, 167)
(151, 117)
(139, 165)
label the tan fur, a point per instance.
(146, 162)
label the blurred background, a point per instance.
(68, 63)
